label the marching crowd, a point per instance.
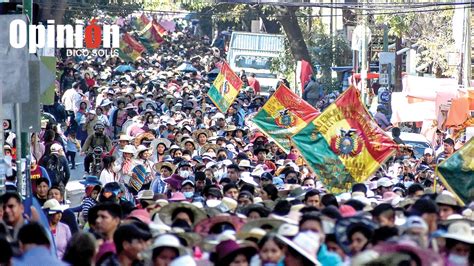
(170, 180)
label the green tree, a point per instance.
(239, 17)
(431, 32)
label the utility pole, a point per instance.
(466, 61)
(363, 68)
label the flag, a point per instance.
(225, 88)
(141, 22)
(147, 38)
(283, 115)
(160, 30)
(457, 173)
(344, 145)
(130, 48)
(305, 74)
(458, 112)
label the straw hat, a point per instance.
(167, 211)
(208, 146)
(144, 137)
(263, 223)
(163, 141)
(460, 231)
(304, 243)
(128, 149)
(53, 206)
(205, 225)
(124, 137)
(141, 149)
(157, 166)
(171, 241)
(206, 132)
(255, 233)
(184, 141)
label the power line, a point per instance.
(78, 8)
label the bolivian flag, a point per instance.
(457, 173)
(147, 39)
(141, 22)
(158, 29)
(225, 88)
(283, 115)
(344, 145)
(130, 49)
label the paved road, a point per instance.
(74, 189)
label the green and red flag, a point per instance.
(225, 88)
(147, 38)
(160, 30)
(344, 145)
(283, 115)
(141, 22)
(457, 173)
(130, 49)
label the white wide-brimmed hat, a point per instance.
(460, 231)
(53, 206)
(128, 149)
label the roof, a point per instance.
(256, 42)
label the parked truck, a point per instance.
(254, 52)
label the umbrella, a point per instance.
(124, 68)
(186, 67)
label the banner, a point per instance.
(141, 22)
(159, 29)
(344, 145)
(225, 88)
(283, 115)
(130, 49)
(457, 173)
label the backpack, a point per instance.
(55, 168)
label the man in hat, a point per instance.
(163, 171)
(91, 122)
(98, 139)
(123, 141)
(56, 165)
(447, 205)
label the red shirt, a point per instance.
(253, 82)
(35, 174)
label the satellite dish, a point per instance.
(358, 35)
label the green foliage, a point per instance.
(91, 8)
(431, 32)
(327, 50)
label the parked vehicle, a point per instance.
(418, 141)
(253, 52)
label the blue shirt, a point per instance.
(38, 256)
(328, 258)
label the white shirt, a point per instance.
(71, 100)
(106, 177)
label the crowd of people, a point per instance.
(170, 180)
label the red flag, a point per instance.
(144, 19)
(158, 28)
(306, 72)
(134, 44)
